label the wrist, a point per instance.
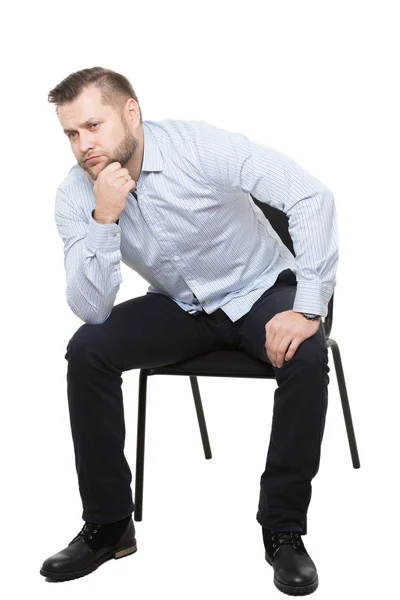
(103, 220)
(311, 316)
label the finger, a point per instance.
(269, 340)
(122, 172)
(282, 350)
(292, 349)
(124, 177)
(271, 358)
(114, 166)
(130, 185)
(273, 345)
(279, 348)
(124, 181)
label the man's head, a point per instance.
(99, 112)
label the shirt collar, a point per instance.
(152, 156)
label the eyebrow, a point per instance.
(89, 120)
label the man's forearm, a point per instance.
(314, 231)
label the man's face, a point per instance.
(96, 130)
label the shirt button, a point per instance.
(176, 257)
(116, 234)
(158, 228)
(140, 196)
(116, 267)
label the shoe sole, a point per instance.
(120, 553)
(293, 590)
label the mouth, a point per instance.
(88, 160)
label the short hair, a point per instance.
(115, 88)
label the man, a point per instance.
(171, 199)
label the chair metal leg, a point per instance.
(140, 442)
(200, 416)
(345, 402)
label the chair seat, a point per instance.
(224, 363)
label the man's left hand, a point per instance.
(284, 334)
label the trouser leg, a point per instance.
(298, 421)
(147, 331)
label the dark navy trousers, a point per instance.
(152, 330)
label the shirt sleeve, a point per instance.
(231, 160)
(92, 258)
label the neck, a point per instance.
(134, 165)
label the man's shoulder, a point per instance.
(75, 178)
(75, 193)
(178, 129)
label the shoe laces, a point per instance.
(288, 538)
(88, 531)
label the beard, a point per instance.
(122, 153)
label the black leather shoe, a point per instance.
(94, 545)
(294, 571)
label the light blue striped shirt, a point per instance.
(194, 233)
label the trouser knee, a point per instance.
(312, 354)
(87, 341)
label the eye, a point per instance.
(73, 133)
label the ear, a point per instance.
(133, 110)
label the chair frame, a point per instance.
(279, 222)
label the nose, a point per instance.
(86, 142)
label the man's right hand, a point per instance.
(111, 189)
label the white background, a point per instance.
(317, 81)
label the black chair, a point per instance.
(233, 363)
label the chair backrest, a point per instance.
(280, 222)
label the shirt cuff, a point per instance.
(103, 236)
(312, 298)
